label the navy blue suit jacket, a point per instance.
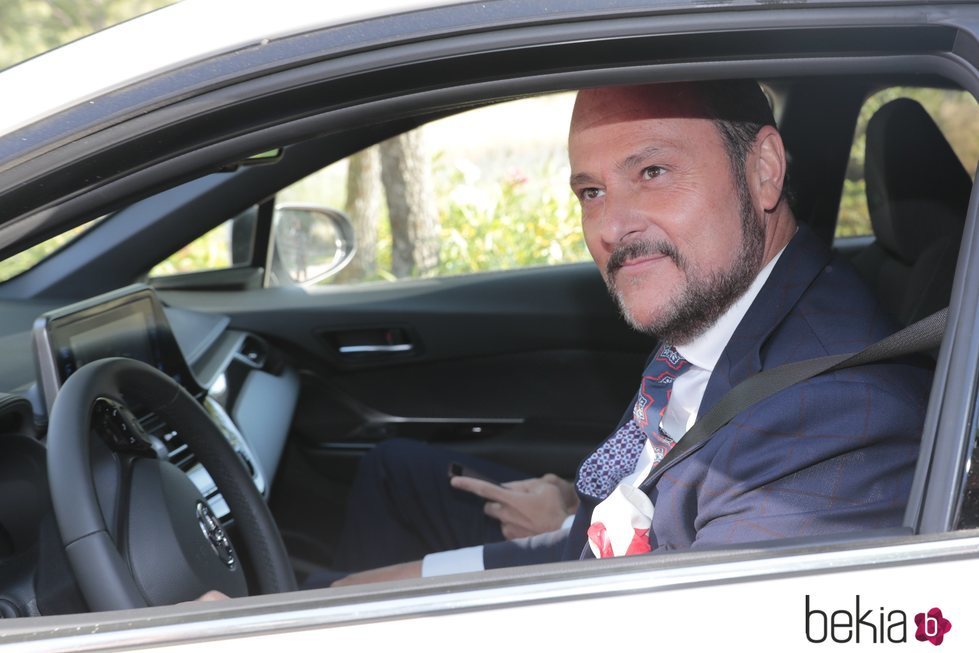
(832, 454)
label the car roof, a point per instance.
(146, 46)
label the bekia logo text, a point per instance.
(872, 625)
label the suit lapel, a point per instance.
(803, 259)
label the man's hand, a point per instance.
(403, 571)
(528, 507)
(212, 595)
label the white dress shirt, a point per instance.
(702, 352)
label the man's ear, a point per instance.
(768, 168)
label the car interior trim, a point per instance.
(953, 398)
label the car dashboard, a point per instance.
(234, 375)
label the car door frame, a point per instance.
(938, 478)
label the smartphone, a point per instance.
(458, 469)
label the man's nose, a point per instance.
(623, 221)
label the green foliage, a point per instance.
(507, 224)
(212, 251)
(29, 27)
(27, 259)
(854, 219)
(496, 224)
(486, 223)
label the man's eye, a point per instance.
(652, 171)
(590, 193)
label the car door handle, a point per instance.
(376, 349)
(371, 343)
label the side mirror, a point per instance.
(309, 244)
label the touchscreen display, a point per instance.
(127, 336)
(128, 323)
(128, 328)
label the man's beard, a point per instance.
(705, 298)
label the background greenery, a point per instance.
(500, 187)
(29, 27)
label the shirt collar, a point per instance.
(705, 350)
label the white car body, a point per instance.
(751, 598)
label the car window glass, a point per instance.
(227, 245)
(27, 259)
(956, 114)
(967, 513)
(483, 190)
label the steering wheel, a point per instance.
(136, 530)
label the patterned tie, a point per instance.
(599, 476)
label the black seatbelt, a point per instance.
(924, 335)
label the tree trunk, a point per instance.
(408, 186)
(363, 206)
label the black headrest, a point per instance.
(917, 189)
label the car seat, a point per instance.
(917, 195)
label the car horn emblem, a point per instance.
(215, 535)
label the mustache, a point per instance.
(640, 248)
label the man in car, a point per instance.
(682, 189)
